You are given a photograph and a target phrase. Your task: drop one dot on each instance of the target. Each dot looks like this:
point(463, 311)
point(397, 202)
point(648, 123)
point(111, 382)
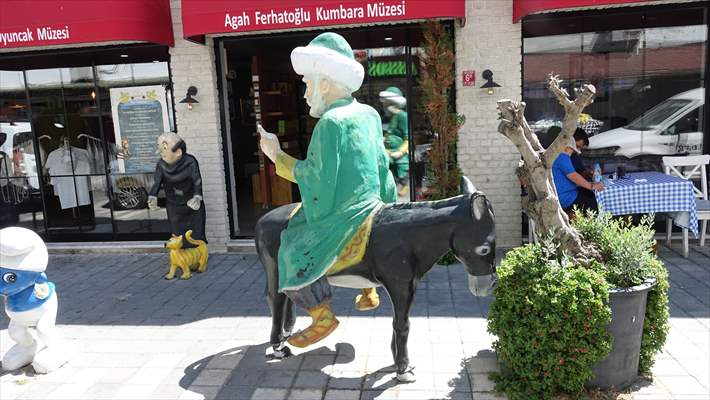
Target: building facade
point(97, 102)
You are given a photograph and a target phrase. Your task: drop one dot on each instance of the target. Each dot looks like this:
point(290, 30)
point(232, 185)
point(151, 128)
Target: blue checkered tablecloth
point(651, 192)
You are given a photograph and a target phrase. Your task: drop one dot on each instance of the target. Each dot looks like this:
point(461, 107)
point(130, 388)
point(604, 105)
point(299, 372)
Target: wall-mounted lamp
point(488, 76)
point(191, 91)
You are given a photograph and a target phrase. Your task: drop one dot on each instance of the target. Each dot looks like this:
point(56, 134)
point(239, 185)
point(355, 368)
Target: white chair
point(690, 167)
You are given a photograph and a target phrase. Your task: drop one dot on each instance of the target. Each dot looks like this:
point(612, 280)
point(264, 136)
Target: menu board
point(140, 115)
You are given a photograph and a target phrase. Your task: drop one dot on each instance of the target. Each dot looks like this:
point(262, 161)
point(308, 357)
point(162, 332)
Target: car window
point(690, 122)
point(657, 114)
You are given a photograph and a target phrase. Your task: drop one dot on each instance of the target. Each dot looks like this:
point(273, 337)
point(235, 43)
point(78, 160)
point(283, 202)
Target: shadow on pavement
point(313, 370)
point(129, 290)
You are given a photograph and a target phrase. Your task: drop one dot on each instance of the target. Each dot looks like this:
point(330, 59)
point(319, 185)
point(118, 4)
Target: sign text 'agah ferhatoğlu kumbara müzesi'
point(43, 34)
point(300, 15)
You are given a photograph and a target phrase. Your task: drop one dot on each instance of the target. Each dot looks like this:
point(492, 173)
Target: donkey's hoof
point(406, 376)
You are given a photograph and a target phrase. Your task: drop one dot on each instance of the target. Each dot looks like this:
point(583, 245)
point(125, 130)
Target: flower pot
point(628, 309)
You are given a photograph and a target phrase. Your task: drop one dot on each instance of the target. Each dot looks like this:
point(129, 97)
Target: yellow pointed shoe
point(324, 323)
point(367, 300)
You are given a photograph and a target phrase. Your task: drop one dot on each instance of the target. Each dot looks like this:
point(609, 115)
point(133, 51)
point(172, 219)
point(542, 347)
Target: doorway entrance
point(258, 84)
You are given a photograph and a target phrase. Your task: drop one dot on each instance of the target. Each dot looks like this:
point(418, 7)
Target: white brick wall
point(194, 64)
point(489, 40)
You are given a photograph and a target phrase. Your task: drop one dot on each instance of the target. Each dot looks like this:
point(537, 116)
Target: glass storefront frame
point(414, 177)
point(572, 22)
point(92, 59)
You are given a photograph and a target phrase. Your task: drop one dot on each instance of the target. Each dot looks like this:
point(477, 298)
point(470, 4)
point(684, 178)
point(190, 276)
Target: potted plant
point(560, 304)
point(562, 326)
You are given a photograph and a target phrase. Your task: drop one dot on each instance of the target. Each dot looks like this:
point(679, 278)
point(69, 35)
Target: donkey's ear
point(478, 207)
point(467, 186)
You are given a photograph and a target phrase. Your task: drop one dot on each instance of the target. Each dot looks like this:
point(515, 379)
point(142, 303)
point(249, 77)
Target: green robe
point(344, 177)
point(397, 134)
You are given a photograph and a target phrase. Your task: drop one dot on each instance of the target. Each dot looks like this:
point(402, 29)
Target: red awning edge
point(30, 23)
point(522, 8)
point(201, 17)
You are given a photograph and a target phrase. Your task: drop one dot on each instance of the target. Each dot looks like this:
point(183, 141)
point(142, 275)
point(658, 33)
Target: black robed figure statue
point(178, 174)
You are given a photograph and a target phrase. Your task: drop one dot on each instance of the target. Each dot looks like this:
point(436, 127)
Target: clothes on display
point(62, 163)
point(96, 154)
point(95, 149)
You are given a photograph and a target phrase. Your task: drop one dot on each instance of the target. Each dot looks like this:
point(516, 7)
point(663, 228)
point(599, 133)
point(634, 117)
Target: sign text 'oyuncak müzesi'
point(43, 34)
point(299, 15)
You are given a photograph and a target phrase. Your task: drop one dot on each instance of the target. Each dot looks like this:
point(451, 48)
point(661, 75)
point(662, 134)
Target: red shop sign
point(200, 17)
point(521, 8)
point(26, 23)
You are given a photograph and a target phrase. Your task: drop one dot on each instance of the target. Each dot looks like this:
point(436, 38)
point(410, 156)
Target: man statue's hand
point(152, 203)
point(269, 143)
point(195, 202)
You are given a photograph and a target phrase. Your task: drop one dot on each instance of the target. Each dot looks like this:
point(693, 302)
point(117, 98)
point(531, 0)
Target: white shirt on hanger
point(72, 191)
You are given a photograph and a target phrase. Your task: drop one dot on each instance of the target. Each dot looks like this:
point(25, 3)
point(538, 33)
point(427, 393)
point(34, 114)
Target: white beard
point(317, 104)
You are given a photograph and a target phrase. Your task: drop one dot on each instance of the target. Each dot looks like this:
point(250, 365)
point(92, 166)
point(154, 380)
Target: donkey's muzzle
point(482, 285)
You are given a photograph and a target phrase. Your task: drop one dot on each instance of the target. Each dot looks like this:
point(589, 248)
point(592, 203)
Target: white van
point(672, 127)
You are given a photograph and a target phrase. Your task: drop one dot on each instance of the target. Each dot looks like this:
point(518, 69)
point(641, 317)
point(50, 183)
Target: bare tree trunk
point(535, 169)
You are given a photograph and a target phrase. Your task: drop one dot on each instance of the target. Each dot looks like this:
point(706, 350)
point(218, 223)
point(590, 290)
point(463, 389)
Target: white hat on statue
point(394, 96)
point(329, 55)
point(23, 250)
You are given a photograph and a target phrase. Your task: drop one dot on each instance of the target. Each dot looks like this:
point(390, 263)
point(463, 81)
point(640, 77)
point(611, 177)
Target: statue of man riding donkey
point(347, 231)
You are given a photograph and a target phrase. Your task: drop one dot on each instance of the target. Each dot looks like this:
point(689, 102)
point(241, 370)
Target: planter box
point(628, 310)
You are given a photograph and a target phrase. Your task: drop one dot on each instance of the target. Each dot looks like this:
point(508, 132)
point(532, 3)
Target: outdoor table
point(651, 192)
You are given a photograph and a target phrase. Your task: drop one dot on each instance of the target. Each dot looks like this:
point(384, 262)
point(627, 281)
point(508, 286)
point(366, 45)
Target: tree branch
point(511, 115)
point(585, 97)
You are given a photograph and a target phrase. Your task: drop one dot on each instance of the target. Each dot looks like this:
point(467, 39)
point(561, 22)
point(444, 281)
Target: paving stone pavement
point(138, 336)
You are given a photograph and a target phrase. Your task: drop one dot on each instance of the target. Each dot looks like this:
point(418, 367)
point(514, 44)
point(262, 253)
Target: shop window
point(259, 81)
point(20, 201)
point(648, 66)
point(73, 164)
point(135, 111)
point(64, 119)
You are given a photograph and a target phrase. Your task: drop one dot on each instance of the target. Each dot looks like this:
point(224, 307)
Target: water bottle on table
point(597, 174)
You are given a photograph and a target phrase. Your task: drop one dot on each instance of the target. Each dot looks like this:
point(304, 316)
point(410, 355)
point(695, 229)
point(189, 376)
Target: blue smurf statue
point(30, 302)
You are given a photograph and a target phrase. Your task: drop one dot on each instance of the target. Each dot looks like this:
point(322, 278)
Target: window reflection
point(20, 203)
point(649, 80)
point(62, 168)
point(385, 89)
point(136, 109)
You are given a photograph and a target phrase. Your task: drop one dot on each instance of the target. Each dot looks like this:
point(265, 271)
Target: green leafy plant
point(541, 290)
point(628, 259)
point(549, 317)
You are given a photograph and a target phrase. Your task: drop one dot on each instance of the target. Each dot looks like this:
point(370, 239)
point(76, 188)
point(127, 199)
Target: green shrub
point(550, 315)
point(655, 324)
point(628, 259)
point(550, 319)
point(627, 250)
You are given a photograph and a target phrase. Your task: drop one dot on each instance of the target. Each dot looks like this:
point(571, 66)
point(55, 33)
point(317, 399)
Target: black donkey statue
point(405, 242)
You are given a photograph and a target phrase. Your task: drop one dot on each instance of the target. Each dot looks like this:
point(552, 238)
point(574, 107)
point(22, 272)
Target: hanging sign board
point(140, 115)
point(30, 23)
point(228, 16)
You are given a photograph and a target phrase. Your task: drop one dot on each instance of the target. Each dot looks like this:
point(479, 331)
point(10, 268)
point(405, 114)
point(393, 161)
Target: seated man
point(572, 188)
point(581, 140)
